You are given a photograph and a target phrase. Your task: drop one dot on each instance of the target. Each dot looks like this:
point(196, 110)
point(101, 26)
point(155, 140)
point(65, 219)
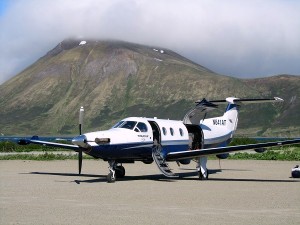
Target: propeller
point(81, 111)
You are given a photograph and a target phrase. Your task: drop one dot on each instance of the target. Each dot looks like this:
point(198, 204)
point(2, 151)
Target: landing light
point(102, 140)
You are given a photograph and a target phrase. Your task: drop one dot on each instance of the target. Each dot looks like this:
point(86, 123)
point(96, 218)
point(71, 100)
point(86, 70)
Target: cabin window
point(142, 127)
point(181, 132)
point(171, 131)
point(164, 131)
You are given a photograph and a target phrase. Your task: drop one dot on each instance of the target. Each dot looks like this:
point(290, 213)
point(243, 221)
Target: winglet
point(277, 99)
point(232, 100)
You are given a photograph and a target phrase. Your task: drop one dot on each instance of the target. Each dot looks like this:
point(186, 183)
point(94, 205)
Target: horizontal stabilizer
point(233, 100)
point(194, 115)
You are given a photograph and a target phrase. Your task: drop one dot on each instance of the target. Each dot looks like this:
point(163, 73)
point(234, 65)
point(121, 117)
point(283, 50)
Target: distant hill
point(115, 79)
point(285, 120)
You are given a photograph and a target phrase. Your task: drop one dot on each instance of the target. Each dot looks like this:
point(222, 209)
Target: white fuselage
point(134, 137)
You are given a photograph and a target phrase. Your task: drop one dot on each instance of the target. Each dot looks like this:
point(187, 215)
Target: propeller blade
point(81, 112)
point(79, 160)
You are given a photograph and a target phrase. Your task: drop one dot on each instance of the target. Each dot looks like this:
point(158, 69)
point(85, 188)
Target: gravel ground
point(245, 192)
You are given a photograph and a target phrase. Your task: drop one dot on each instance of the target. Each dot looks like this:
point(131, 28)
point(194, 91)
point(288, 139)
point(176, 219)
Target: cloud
point(243, 39)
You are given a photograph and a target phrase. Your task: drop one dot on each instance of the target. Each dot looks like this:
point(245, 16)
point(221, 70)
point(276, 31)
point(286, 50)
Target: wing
point(174, 156)
point(35, 140)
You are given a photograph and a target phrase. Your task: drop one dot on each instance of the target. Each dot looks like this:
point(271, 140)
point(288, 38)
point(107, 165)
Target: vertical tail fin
point(232, 109)
point(231, 115)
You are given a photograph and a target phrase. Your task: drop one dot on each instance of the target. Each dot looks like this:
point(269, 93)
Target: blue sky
point(246, 39)
point(4, 4)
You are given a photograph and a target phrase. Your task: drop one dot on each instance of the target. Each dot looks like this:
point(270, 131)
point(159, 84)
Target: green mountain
point(115, 79)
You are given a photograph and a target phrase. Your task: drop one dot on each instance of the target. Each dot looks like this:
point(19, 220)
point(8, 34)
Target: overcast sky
point(239, 38)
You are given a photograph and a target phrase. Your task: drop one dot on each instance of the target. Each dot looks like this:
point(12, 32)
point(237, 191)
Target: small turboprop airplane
point(160, 140)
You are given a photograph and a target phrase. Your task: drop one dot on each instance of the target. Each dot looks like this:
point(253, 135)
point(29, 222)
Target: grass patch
point(285, 155)
point(281, 153)
point(242, 141)
point(8, 146)
point(42, 157)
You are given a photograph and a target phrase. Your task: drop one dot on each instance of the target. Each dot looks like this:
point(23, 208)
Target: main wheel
point(120, 171)
point(201, 177)
point(111, 178)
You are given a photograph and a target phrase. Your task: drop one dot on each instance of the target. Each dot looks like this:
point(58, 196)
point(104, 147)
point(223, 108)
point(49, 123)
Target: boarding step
point(160, 162)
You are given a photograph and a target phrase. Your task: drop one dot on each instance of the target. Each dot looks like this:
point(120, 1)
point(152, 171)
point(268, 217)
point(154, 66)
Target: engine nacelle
point(223, 156)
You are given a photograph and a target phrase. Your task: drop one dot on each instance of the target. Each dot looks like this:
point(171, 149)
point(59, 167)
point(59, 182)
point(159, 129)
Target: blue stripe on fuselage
point(140, 150)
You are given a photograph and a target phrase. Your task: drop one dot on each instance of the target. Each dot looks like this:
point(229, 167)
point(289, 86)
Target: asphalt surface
point(245, 192)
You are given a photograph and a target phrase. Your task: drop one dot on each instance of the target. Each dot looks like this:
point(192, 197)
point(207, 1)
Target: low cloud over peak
point(243, 39)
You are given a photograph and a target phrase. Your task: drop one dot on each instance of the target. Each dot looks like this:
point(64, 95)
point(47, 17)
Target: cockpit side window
point(118, 124)
point(126, 124)
point(142, 127)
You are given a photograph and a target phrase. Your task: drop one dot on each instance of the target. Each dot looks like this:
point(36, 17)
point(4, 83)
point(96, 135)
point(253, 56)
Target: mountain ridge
point(115, 79)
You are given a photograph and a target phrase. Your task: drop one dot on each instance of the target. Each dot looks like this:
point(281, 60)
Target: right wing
point(174, 156)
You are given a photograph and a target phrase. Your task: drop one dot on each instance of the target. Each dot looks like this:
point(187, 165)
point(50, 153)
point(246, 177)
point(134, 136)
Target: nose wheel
point(120, 171)
point(115, 171)
point(111, 177)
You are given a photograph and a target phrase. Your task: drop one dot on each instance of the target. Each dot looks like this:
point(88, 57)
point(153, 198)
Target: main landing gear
point(203, 175)
point(202, 169)
point(115, 171)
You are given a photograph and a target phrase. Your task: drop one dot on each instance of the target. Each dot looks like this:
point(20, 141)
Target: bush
point(285, 155)
point(242, 141)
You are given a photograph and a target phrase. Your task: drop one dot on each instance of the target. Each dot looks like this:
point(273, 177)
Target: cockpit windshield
point(137, 126)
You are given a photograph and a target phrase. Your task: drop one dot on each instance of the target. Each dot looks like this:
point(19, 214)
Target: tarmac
point(241, 192)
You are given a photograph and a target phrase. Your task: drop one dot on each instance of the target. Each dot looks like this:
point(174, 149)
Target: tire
point(120, 171)
point(201, 175)
point(110, 178)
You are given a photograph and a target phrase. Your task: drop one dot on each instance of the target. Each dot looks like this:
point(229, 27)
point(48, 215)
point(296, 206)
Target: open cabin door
point(194, 115)
point(192, 122)
point(156, 132)
point(157, 155)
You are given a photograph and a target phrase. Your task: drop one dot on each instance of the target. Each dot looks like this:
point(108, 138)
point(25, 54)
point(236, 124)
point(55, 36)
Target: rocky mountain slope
point(115, 79)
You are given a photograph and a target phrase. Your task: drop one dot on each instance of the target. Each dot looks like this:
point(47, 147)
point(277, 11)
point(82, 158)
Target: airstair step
point(160, 162)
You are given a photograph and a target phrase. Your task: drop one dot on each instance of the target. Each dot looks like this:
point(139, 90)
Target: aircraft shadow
point(159, 177)
point(253, 180)
point(101, 178)
point(64, 174)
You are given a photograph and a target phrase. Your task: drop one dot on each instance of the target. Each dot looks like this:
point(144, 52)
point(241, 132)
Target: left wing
point(35, 140)
point(174, 156)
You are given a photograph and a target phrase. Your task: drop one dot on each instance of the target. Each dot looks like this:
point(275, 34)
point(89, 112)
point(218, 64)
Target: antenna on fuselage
point(81, 112)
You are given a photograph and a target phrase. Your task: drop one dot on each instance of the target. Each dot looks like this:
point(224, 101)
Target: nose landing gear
point(115, 171)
